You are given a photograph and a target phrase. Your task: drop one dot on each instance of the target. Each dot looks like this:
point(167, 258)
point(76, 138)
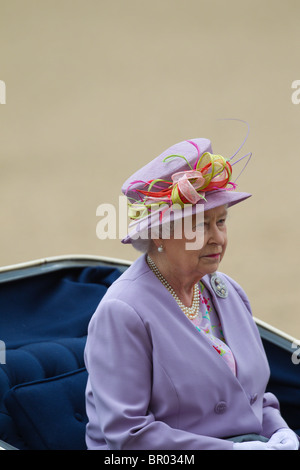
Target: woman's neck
point(183, 286)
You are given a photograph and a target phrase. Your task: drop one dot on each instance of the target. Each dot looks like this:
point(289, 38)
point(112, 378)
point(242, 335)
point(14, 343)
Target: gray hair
point(144, 242)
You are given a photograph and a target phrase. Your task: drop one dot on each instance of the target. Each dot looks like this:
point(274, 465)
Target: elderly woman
point(174, 357)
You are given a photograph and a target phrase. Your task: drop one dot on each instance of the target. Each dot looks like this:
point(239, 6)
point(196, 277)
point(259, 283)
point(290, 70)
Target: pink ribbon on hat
point(188, 188)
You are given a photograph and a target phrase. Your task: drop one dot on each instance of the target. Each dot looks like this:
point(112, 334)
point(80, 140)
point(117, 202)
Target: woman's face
point(196, 263)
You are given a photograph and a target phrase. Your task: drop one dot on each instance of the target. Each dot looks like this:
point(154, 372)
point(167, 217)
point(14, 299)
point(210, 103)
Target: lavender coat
point(155, 382)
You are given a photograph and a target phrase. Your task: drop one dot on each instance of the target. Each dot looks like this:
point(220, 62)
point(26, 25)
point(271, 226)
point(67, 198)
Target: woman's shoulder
point(130, 283)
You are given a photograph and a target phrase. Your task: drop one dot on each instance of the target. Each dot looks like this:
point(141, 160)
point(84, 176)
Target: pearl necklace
point(191, 312)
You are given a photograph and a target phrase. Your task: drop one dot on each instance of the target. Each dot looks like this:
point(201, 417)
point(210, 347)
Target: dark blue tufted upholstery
point(43, 323)
point(50, 413)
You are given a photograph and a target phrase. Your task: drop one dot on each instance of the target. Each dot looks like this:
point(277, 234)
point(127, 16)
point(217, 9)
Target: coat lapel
point(241, 334)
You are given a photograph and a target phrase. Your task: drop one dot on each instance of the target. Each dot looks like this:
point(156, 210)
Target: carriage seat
point(43, 324)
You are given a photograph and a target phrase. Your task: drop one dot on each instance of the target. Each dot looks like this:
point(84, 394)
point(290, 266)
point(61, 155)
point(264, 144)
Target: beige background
point(97, 88)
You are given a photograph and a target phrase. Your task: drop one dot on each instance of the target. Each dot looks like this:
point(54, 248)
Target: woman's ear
point(156, 242)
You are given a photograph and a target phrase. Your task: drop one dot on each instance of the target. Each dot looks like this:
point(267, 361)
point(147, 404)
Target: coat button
point(253, 399)
point(221, 407)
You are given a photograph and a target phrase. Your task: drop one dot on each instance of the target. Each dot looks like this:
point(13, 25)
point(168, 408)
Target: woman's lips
point(214, 255)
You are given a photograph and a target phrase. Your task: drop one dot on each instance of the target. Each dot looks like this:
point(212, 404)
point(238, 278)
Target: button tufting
point(79, 417)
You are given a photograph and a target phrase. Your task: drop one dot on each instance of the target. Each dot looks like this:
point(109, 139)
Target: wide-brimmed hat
point(185, 179)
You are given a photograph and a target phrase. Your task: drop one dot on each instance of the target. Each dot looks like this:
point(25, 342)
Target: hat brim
point(140, 229)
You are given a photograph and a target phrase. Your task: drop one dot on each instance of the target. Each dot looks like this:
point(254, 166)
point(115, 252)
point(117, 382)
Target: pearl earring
point(160, 249)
